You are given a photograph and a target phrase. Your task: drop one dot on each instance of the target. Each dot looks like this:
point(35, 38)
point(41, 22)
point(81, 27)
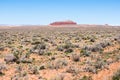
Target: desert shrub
point(78, 38)
point(53, 58)
point(76, 46)
point(96, 48)
point(10, 58)
point(105, 44)
point(118, 48)
point(17, 53)
point(92, 40)
point(58, 77)
point(10, 42)
point(117, 39)
point(33, 69)
point(40, 46)
point(116, 76)
point(100, 64)
point(27, 55)
point(54, 44)
point(86, 78)
point(90, 69)
point(41, 78)
point(88, 48)
point(25, 60)
point(117, 58)
point(67, 46)
point(2, 67)
point(41, 67)
point(35, 43)
point(21, 57)
point(72, 69)
point(20, 76)
point(39, 49)
point(48, 53)
point(68, 51)
point(19, 68)
point(41, 52)
point(24, 73)
point(85, 52)
point(60, 48)
point(59, 63)
point(84, 38)
point(20, 47)
point(75, 57)
point(46, 40)
point(50, 65)
point(1, 48)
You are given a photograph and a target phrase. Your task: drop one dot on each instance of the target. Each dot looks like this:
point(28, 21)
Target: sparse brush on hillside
point(58, 53)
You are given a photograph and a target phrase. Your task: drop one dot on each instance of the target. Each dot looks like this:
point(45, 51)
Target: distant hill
point(68, 22)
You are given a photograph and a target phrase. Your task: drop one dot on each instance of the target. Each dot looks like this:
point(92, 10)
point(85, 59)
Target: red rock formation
point(64, 23)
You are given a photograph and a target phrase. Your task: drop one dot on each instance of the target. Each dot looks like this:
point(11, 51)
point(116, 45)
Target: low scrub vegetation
point(62, 53)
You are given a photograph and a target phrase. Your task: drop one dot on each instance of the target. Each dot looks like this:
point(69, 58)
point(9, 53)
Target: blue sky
point(47, 11)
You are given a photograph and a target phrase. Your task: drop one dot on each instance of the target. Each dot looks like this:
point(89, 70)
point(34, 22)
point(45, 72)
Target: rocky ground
point(60, 53)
